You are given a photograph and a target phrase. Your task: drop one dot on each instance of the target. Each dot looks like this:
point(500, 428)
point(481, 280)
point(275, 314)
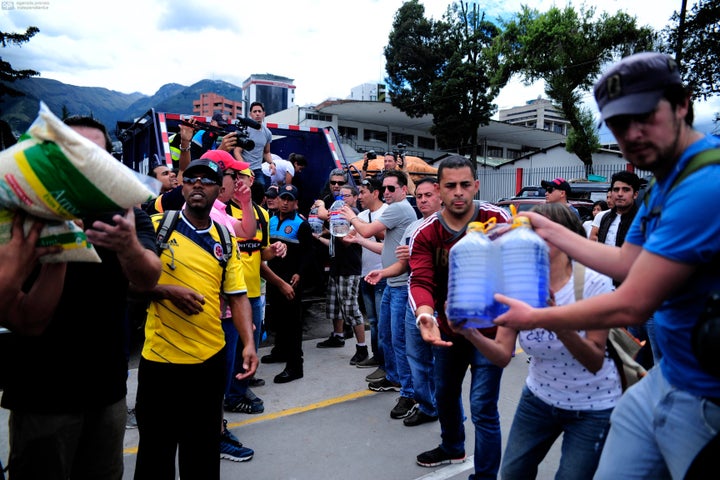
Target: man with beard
point(668, 267)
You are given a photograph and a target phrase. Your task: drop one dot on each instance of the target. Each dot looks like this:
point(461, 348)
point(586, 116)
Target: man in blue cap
point(667, 265)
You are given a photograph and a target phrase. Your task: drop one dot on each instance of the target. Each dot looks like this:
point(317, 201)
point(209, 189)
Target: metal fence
point(497, 184)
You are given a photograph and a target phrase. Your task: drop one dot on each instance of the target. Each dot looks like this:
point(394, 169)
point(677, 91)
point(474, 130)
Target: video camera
point(239, 125)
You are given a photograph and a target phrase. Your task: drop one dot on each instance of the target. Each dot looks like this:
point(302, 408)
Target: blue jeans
point(656, 431)
point(451, 363)
point(372, 299)
point(535, 428)
point(391, 334)
point(422, 367)
point(235, 389)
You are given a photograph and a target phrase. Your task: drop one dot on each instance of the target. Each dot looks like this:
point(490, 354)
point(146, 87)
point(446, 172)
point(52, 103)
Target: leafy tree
point(567, 49)
point(438, 68)
point(695, 40)
point(9, 74)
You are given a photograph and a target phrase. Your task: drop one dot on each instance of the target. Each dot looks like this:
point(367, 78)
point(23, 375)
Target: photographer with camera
point(252, 145)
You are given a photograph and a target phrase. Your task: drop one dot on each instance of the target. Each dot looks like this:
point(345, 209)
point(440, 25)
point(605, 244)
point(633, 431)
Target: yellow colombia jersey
point(171, 335)
point(251, 248)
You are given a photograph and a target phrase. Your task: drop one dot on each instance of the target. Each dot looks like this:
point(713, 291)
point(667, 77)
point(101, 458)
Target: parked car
point(523, 204)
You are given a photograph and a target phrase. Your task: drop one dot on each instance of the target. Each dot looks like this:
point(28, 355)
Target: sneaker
point(244, 405)
point(257, 382)
point(232, 451)
point(418, 418)
point(228, 436)
point(361, 353)
point(376, 376)
point(333, 342)
point(131, 421)
point(403, 408)
point(438, 456)
point(384, 385)
point(250, 395)
point(370, 362)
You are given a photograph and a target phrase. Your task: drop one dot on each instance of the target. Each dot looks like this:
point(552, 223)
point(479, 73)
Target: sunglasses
point(389, 188)
point(550, 189)
point(232, 175)
point(203, 181)
point(335, 182)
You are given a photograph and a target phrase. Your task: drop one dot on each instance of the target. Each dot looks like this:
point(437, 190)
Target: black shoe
point(403, 408)
point(287, 376)
point(371, 362)
point(361, 353)
point(270, 358)
point(257, 382)
point(333, 342)
point(418, 418)
point(438, 456)
point(384, 385)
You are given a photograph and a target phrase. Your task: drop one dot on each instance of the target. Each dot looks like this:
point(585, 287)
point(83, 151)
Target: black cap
point(218, 117)
point(558, 183)
point(212, 169)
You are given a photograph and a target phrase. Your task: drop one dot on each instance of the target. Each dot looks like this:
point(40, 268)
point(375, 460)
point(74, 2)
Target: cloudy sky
point(326, 46)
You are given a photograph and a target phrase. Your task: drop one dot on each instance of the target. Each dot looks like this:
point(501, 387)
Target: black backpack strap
point(167, 225)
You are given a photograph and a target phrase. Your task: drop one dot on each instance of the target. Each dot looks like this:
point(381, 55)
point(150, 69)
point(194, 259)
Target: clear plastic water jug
point(339, 225)
point(525, 264)
point(315, 222)
point(473, 279)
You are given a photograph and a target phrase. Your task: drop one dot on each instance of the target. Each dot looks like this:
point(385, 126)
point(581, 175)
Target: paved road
point(328, 425)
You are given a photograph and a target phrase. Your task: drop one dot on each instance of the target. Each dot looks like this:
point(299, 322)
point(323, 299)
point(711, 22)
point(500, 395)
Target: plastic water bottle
point(473, 279)
point(315, 222)
point(339, 225)
point(525, 264)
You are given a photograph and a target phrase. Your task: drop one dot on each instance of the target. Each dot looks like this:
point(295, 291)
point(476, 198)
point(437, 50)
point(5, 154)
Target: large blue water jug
point(473, 279)
point(525, 264)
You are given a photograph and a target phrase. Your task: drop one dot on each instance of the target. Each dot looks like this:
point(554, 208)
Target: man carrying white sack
point(80, 352)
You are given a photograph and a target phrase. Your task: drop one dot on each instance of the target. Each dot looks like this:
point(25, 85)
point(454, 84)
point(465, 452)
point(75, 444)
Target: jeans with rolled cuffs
point(391, 334)
point(422, 367)
point(451, 364)
point(372, 299)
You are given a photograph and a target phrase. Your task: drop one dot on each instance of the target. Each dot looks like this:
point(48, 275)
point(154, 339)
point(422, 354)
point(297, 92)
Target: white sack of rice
point(57, 174)
point(65, 233)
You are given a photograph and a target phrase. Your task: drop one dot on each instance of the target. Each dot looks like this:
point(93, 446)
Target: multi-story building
point(211, 103)
point(276, 93)
point(539, 113)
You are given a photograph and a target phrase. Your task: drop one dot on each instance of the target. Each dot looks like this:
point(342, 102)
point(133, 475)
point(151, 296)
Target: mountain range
point(107, 106)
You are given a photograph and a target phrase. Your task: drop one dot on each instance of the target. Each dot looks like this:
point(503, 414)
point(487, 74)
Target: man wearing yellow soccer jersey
point(182, 369)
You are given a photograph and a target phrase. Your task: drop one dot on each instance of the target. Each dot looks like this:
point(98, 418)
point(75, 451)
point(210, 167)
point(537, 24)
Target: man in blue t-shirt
point(667, 265)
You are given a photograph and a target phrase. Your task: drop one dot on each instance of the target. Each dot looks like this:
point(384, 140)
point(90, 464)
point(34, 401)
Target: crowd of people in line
point(200, 278)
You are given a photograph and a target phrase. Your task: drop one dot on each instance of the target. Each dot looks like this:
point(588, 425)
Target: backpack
point(622, 346)
point(167, 225)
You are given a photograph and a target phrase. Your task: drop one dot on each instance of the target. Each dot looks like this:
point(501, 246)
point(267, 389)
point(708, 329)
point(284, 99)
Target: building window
point(319, 117)
point(348, 132)
point(375, 136)
point(426, 143)
point(496, 152)
point(408, 140)
point(513, 154)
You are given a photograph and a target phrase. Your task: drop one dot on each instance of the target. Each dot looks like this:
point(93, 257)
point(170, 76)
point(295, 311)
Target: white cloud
point(326, 46)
